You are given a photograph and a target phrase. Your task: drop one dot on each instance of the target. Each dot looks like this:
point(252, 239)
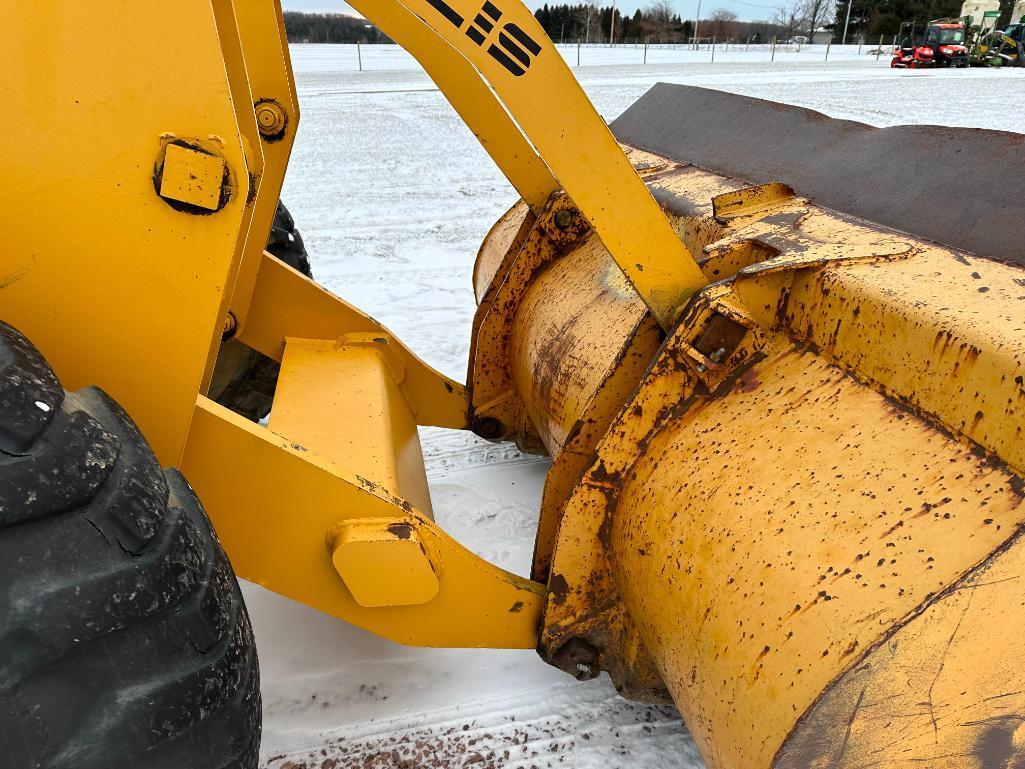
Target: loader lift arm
point(197, 171)
point(503, 42)
point(511, 115)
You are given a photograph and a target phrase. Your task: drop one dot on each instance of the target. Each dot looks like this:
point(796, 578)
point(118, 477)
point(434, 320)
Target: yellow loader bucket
point(797, 513)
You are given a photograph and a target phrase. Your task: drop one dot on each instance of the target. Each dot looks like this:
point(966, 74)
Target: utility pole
point(846, 22)
point(697, 22)
point(612, 25)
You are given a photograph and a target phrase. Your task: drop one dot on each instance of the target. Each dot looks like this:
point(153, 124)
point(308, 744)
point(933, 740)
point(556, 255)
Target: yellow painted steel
point(383, 562)
point(771, 561)
point(272, 92)
point(277, 507)
point(804, 524)
point(285, 303)
point(469, 95)
point(192, 177)
point(512, 52)
point(361, 420)
point(142, 226)
point(118, 287)
point(500, 246)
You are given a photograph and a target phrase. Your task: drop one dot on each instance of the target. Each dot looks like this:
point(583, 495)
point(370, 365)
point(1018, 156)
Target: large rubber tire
point(243, 379)
point(124, 640)
point(286, 243)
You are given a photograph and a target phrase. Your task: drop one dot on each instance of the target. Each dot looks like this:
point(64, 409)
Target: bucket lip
point(961, 187)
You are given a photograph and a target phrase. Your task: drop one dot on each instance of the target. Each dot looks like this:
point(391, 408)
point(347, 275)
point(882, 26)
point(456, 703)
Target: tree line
point(330, 28)
point(658, 22)
point(583, 22)
point(591, 23)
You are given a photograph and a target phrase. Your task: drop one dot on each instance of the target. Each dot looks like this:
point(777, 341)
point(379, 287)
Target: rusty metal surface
point(496, 409)
point(561, 340)
point(504, 239)
point(622, 373)
point(784, 523)
point(767, 537)
point(769, 528)
point(949, 695)
point(568, 336)
point(935, 182)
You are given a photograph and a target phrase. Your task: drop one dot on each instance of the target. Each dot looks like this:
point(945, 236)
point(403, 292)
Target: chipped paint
point(753, 525)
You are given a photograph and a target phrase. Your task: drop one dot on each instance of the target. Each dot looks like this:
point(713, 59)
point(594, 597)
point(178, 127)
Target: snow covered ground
point(346, 58)
point(393, 196)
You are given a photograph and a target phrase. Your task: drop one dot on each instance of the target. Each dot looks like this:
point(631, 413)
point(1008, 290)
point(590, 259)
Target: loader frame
point(191, 155)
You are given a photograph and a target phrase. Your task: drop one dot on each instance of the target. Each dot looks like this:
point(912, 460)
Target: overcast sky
point(747, 10)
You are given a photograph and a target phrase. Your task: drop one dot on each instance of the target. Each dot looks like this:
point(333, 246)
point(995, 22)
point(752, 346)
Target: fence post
point(713, 48)
point(645, 51)
point(359, 56)
point(798, 46)
point(747, 43)
point(578, 53)
point(773, 57)
point(827, 49)
point(861, 41)
point(879, 50)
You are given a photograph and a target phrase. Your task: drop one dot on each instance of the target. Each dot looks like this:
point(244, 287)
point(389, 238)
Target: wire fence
point(327, 58)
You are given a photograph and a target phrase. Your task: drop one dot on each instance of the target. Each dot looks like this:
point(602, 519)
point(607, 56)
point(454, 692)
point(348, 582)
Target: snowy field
point(393, 196)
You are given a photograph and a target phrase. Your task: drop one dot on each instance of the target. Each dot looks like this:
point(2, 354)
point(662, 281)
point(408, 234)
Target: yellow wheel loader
point(783, 394)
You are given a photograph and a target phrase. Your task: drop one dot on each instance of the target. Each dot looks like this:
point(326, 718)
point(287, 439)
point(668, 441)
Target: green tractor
point(999, 48)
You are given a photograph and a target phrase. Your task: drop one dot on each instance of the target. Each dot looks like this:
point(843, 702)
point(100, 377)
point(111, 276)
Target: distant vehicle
point(798, 40)
point(909, 54)
point(1004, 48)
point(946, 39)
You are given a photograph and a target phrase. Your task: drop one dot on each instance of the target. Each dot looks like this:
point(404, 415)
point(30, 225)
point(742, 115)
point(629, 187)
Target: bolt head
point(563, 219)
point(270, 118)
point(578, 658)
point(488, 427)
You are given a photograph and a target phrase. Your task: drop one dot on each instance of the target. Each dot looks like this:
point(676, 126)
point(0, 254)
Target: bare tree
point(724, 24)
point(660, 14)
point(815, 13)
point(790, 17)
point(587, 14)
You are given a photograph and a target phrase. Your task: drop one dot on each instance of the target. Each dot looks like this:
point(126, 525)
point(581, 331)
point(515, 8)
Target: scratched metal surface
point(783, 533)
